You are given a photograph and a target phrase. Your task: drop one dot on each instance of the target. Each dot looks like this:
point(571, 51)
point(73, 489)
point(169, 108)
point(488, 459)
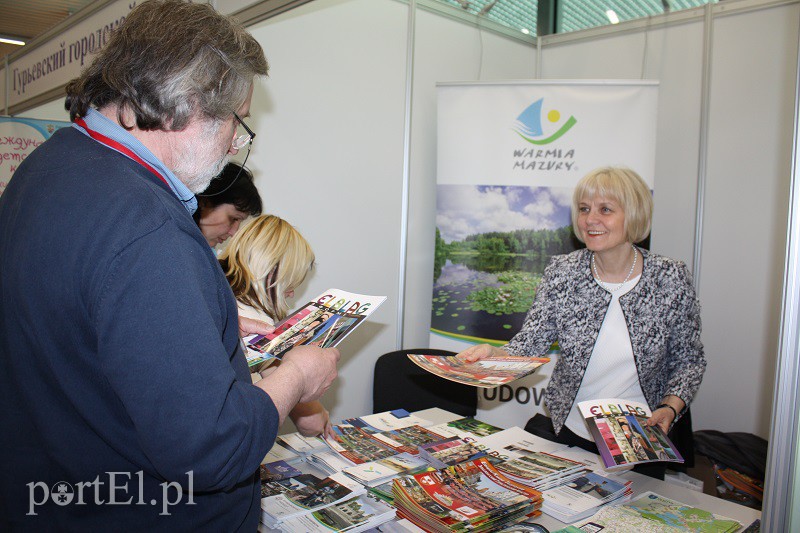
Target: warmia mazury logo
point(529, 124)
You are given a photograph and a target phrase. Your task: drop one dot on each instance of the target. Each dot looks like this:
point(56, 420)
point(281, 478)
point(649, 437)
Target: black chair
point(400, 384)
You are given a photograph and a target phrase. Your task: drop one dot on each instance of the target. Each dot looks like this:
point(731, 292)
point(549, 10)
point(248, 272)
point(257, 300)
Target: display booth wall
point(338, 136)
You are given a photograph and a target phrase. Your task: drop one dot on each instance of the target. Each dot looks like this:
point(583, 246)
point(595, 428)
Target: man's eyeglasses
point(244, 139)
point(238, 143)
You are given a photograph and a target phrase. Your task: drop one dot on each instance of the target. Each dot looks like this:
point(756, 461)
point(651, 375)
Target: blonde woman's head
point(626, 188)
point(265, 261)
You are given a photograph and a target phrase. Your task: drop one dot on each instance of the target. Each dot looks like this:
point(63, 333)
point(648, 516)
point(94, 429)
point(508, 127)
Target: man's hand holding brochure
point(323, 322)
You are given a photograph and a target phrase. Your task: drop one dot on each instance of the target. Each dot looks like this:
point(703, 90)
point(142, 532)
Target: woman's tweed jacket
point(663, 318)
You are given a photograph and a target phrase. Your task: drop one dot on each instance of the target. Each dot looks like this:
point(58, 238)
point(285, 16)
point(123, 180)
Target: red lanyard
point(111, 143)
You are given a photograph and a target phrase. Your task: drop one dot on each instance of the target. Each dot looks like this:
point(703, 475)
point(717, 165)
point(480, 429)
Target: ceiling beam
point(265, 9)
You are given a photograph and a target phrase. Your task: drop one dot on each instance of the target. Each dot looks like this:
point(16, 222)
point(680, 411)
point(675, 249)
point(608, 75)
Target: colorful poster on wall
point(509, 156)
point(18, 138)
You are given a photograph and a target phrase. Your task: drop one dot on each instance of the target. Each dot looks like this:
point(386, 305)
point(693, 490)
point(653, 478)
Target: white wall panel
point(749, 163)
point(671, 56)
point(328, 158)
point(446, 51)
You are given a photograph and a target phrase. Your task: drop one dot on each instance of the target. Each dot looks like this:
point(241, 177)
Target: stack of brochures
point(354, 515)
point(653, 512)
point(279, 452)
point(359, 446)
point(300, 445)
point(404, 440)
point(371, 438)
point(385, 492)
point(530, 460)
point(362, 443)
point(388, 420)
point(541, 470)
point(583, 496)
point(277, 470)
point(449, 452)
point(302, 495)
point(376, 473)
point(328, 461)
point(470, 496)
point(465, 428)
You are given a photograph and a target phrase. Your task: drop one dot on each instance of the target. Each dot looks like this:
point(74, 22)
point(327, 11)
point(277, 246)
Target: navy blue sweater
point(121, 373)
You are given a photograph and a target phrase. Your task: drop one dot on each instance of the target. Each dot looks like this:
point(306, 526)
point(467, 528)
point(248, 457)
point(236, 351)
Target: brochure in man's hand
point(323, 322)
point(491, 372)
point(622, 437)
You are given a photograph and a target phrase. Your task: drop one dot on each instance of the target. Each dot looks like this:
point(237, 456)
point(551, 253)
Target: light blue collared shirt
point(101, 124)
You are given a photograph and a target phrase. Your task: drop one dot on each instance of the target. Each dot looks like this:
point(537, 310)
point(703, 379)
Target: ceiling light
point(612, 16)
point(12, 41)
point(525, 31)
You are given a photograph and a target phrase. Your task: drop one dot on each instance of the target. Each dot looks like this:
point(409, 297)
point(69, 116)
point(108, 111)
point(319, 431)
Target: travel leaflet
point(622, 437)
point(324, 321)
point(486, 373)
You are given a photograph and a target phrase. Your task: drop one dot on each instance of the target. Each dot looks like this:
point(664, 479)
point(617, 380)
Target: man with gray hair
point(125, 398)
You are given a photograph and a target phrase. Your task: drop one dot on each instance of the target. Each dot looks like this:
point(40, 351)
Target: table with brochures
point(640, 485)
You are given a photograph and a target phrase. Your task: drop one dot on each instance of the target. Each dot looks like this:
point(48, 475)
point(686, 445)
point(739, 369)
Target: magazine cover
point(324, 321)
point(622, 438)
point(486, 373)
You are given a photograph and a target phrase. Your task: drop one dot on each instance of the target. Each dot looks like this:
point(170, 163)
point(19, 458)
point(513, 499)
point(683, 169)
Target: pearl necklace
point(618, 287)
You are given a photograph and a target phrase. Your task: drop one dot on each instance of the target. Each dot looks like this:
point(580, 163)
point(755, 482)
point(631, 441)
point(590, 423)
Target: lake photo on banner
point(492, 246)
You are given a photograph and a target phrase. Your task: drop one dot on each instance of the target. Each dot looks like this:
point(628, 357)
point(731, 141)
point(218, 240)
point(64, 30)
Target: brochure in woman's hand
point(622, 437)
point(490, 372)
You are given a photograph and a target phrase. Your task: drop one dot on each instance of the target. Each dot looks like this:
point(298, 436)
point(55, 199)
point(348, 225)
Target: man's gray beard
point(200, 182)
point(193, 167)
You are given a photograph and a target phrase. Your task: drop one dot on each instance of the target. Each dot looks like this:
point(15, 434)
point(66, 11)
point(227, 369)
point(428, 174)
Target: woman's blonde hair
point(625, 187)
point(263, 260)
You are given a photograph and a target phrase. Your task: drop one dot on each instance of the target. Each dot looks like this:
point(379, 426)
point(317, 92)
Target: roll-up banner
point(509, 157)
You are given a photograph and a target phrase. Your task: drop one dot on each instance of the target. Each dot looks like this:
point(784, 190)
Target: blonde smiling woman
point(627, 320)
